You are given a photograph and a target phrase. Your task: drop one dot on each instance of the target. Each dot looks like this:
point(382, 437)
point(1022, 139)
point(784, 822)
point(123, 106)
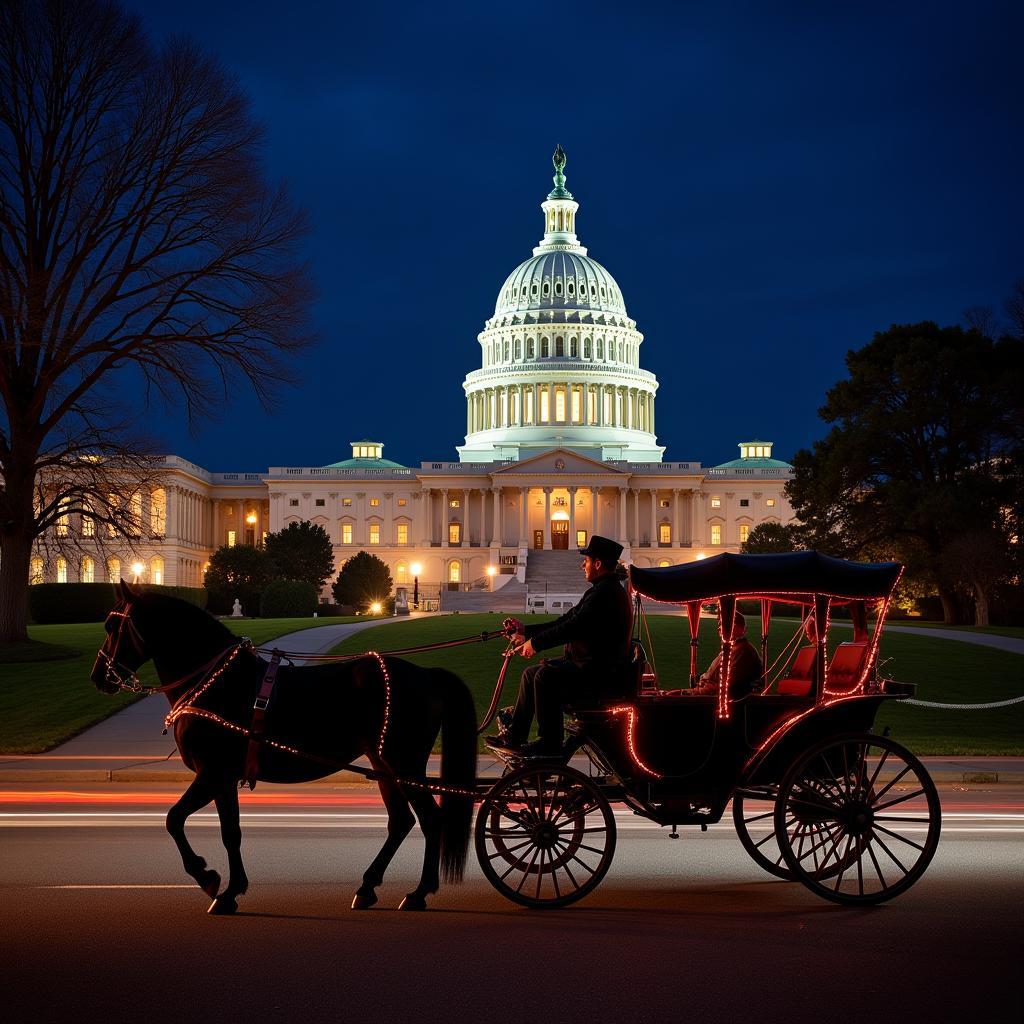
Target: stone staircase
point(510, 598)
point(554, 572)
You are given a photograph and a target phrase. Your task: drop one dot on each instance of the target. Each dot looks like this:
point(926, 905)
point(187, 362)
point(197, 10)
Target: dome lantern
point(559, 213)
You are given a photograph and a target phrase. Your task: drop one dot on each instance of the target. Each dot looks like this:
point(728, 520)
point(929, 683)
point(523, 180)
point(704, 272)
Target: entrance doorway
point(559, 535)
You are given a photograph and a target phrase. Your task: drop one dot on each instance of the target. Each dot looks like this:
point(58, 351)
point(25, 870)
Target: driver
point(596, 633)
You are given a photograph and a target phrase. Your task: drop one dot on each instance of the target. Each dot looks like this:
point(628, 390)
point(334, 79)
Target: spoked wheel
point(857, 819)
point(545, 836)
point(753, 813)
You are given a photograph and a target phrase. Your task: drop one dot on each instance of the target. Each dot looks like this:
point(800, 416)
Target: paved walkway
point(130, 747)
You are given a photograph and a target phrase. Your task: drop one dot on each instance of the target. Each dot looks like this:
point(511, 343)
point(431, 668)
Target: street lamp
point(376, 608)
point(492, 572)
point(137, 570)
point(416, 570)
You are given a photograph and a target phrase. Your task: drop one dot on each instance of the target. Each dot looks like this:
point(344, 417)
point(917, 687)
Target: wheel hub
point(545, 835)
point(857, 817)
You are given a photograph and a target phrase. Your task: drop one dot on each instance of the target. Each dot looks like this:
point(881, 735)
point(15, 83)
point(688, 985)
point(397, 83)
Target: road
point(98, 923)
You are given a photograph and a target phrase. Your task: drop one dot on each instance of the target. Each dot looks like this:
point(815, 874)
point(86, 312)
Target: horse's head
point(124, 649)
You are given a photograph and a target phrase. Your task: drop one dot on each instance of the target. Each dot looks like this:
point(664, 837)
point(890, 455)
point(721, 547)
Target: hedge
point(91, 602)
point(289, 599)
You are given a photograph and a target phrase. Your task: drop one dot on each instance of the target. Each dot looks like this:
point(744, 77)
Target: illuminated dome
point(560, 357)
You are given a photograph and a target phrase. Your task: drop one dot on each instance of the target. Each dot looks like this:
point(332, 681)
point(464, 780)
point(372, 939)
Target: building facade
point(560, 444)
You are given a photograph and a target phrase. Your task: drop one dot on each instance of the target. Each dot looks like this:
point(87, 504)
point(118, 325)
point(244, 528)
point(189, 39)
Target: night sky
point(768, 183)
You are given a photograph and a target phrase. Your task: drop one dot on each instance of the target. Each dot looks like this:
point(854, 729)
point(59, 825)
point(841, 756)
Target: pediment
point(559, 462)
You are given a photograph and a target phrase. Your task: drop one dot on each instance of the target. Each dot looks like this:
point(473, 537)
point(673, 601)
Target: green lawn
point(945, 671)
point(44, 702)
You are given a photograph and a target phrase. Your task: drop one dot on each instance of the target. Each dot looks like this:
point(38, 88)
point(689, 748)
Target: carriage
point(817, 796)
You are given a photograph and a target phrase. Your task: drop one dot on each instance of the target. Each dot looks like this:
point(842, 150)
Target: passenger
point(744, 667)
point(596, 633)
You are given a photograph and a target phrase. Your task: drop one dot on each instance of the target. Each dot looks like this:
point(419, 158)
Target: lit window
point(61, 528)
point(770, 503)
point(402, 501)
point(716, 502)
point(454, 572)
point(581, 538)
point(346, 502)
point(401, 573)
point(402, 530)
point(346, 533)
point(744, 532)
point(113, 570)
point(577, 404)
point(559, 405)
point(231, 538)
point(664, 563)
point(664, 533)
point(529, 348)
point(375, 503)
point(88, 525)
point(35, 571)
point(374, 533)
point(455, 503)
point(156, 570)
point(62, 570)
point(454, 533)
point(663, 503)
point(716, 534)
point(158, 512)
point(87, 573)
point(545, 406)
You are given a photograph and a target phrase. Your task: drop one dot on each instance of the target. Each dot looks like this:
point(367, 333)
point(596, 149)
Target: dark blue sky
point(769, 183)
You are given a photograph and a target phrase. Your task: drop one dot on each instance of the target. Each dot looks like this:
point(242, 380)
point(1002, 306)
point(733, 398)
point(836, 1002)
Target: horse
point(318, 719)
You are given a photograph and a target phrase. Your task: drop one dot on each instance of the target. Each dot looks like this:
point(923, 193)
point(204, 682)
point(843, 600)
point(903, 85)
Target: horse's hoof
point(223, 905)
point(413, 902)
point(209, 882)
point(364, 900)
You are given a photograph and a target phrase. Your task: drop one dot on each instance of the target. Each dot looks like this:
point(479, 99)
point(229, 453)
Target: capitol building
point(560, 444)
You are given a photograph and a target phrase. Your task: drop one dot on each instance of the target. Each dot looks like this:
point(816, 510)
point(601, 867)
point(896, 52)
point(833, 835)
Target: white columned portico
point(595, 511)
point(497, 535)
point(444, 517)
point(654, 517)
point(572, 518)
point(622, 515)
point(524, 516)
point(547, 518)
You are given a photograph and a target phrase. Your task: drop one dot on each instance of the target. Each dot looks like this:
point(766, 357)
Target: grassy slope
point(43, 703)
point(945, 671)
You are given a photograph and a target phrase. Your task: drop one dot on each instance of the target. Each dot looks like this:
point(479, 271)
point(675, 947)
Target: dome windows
point(544, 348)
point(547, 289)
point(573, 348)
point(558, 286)
point(529, 348)
point(569, 288)
point(586, 348)
point(559, 347)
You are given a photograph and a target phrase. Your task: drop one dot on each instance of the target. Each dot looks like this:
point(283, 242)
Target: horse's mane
point(178, 614)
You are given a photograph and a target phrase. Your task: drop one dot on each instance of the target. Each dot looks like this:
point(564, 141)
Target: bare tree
point(137, 235)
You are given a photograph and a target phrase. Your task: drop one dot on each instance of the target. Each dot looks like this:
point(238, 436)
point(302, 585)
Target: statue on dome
point(559, 158)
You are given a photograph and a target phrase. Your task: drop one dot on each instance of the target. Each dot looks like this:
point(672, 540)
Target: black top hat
point(603, 549)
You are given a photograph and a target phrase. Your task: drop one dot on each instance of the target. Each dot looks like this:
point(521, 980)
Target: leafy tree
point(925, 450)
point(137, 236)
point(301, 551)
point(769, 539)
point(240, 571)
point(363, 579)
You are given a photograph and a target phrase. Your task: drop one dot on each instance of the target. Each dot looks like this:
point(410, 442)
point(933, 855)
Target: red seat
point(847, 667)
point(801, 674)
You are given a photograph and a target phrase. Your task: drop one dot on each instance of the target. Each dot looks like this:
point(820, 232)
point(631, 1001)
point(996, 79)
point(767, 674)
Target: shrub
point(289, 599)
point(90, 602)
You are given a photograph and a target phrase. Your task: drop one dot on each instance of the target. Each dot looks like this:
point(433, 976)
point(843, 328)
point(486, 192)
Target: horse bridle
point(117, 674)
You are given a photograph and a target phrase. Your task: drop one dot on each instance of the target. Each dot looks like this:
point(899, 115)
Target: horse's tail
point(458, 770)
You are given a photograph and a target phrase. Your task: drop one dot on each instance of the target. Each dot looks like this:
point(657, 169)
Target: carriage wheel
point(858, 819)
point(755, 809)
point(545, 836)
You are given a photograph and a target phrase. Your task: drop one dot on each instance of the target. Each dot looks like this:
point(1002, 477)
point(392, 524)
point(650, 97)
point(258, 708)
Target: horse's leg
point(429, 815)
point(226, 798)
point(197, 796)
point(400, 823)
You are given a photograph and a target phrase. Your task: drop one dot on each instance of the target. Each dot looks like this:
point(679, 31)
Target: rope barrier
point(963, 707)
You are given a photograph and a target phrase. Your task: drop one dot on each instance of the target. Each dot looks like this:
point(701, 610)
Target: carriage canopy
point(793, 577)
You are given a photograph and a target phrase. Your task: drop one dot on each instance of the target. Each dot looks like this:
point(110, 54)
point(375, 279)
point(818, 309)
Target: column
point(524, 517)
point(387, 538)
point(677, 536)
point(572, 518)
point(497, 534)
point(551, 411)
point(239, 523)
point(636, 517)
point(654, 517)
point(651, 427)
point(547, 518)
point(483, 516)
point(465, 516)
point(425, 533)
point(696, 519)
point(535, 419)
point(444, 517)
point(622, 515)
point(595, 510)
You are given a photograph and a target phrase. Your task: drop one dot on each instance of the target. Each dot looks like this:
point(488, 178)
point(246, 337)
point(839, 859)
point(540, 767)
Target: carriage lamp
point(137, 569)
point(416, 570)
point(491, 573)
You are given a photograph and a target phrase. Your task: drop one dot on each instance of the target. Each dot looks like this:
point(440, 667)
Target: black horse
point(318, 720)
